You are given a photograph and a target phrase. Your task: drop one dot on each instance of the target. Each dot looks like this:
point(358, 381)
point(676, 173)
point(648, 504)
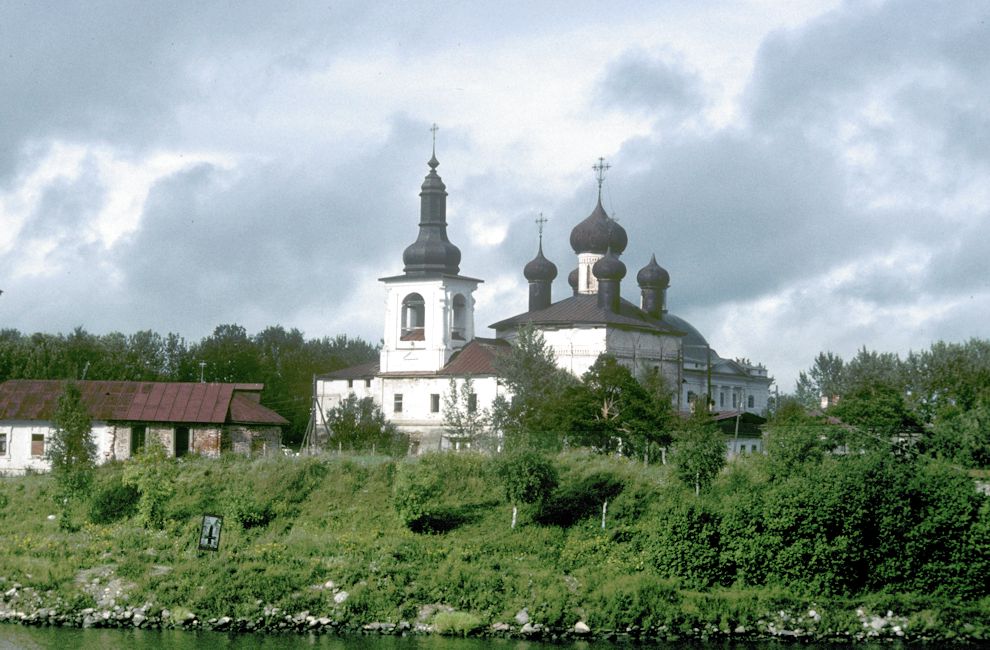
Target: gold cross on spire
point(600, 168)
point(434, 129)
point(539, 224)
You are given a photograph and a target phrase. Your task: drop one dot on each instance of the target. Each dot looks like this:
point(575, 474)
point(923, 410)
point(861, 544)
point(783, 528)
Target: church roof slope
point(584, 309)
point(476, 358)
point(361, 371)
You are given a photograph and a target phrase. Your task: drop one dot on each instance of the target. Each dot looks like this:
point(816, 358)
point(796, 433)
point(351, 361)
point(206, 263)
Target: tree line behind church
point(284, 360)
point(938, 398)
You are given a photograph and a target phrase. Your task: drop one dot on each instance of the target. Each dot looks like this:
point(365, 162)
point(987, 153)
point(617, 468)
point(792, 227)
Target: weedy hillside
point(603, 540)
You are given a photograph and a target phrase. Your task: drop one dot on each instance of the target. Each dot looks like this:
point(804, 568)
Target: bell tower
point(429, 309)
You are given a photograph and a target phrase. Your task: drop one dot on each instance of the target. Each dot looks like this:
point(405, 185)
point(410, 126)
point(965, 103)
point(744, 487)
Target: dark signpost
point(209, 535)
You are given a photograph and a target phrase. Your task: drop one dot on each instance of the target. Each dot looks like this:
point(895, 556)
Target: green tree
point(527, 477)
point(230, 355)
point(879, 415)
point(462, 418)
point(152, 473)
point(825, 378)
point(358, 424)
point(531, 419)
point(963, 436)
point(794, 438)
point(698, 452)
point(71, 450)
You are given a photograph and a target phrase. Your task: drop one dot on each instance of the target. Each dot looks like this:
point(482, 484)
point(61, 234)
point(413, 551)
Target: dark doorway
point(138, 433)
point(181, 441)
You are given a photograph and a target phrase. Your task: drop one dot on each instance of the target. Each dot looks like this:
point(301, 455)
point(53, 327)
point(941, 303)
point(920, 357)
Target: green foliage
point(456, 623)
point(611, 411)
point(358, 424)
point(642, 600)
point(152, 473)
point(699, 451)
point(878, 411)
point(579, 497)
point(687, 544)
point(527, 477)
point(71, 450)
point(112, 500)
point(794, 438)
point(463, 420)
point(531, 420)
point(874, 530)
point(417, 490)
point(963, 436)
point(247, 509)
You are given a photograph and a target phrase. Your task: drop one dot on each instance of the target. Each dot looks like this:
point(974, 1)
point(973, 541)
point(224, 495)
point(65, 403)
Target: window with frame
point(350, 383)
point(397, 403)
point(472, 403)
point(750, 401)
point(3, 444)
point(37, 445)
point(367, 383)
point(435, 403)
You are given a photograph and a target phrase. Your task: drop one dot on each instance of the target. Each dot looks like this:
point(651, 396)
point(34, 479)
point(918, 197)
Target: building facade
point(430, 342)
point(185, 418)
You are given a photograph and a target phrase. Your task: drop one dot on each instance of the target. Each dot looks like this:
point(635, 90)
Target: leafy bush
point(579, 498)
point(152, 474)
point(686, 543)
point(417, 489)
point(247, 510)
point(527, 477)
point(432, 493)
point(112, 501)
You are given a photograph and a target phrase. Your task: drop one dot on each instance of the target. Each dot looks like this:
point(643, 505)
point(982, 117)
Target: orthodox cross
point(539, 224)
point(600, 168)
point(434, 129)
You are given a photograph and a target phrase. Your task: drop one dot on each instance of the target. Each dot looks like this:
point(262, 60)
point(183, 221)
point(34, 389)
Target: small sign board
point(209, 535)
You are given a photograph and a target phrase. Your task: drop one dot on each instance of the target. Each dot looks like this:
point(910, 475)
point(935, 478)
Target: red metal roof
point(136, 401)
point(246, 411)
point(476, 358)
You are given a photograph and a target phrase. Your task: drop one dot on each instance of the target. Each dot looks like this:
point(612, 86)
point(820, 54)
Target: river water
point(16, 637)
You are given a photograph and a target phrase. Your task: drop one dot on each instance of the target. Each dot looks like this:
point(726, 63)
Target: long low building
point(183, 417)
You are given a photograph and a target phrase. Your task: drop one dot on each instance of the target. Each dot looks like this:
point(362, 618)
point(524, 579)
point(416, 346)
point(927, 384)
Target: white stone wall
point(425, 427)
point(743, 446)
point(18, 459)
point(432, 353)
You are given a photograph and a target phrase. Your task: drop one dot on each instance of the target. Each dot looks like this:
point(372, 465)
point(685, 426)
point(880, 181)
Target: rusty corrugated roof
point(134, 401)
point(476, 358)
point(246, 411)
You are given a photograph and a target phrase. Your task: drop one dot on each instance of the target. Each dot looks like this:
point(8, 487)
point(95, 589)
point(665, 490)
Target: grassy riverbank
point(321, 537)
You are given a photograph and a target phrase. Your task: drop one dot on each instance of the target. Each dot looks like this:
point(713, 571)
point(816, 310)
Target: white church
point(429, 333)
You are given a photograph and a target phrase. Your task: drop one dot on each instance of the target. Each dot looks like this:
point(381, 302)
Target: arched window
point(458, 326)
point(413, 317)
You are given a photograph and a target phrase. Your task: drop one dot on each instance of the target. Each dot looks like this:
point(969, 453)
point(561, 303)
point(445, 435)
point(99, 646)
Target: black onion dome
point(598, 233)
point(540, 268)
point(432, 252)
point(653, 275)
point(572, 279)
point(609, 267)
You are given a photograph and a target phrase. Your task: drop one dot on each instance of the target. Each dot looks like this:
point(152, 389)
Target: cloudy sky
point(815, 175)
